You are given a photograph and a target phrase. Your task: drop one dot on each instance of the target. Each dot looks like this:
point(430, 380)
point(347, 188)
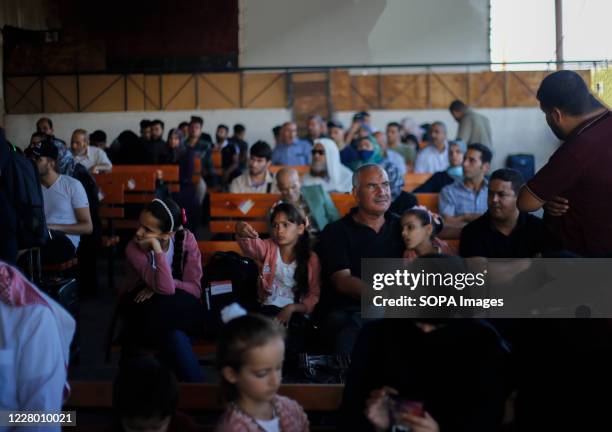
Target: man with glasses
point(503, 231)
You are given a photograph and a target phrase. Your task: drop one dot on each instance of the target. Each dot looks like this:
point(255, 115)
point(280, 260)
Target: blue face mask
point(456, 171)
point(365, 154)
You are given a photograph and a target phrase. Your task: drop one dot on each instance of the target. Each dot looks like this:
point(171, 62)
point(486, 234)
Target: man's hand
point(558, 206)
point(144, 294)
point(244, 230)
point(377, 408)
point(420, 424)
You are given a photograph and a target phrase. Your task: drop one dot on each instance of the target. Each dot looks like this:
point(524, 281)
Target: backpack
point(218, 292)
point(524, 163)
point(24, 191)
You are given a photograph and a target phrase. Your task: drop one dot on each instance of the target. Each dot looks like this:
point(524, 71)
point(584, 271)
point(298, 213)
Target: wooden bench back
point(205, 397)
point(412, 180)
point(208, 248)
point(429, 200)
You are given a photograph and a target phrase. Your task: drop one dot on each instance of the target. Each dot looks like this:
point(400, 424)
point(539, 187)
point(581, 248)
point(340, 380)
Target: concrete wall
point(515, 130)
point(323, 32)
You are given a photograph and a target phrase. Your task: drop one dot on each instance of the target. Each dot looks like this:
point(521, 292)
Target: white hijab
point(339, 178)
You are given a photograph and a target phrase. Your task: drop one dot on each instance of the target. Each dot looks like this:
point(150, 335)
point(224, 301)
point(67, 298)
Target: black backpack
point(243, 274)
point(24, 191)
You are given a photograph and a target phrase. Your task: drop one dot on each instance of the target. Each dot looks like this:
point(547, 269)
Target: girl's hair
point(239, 336)
point(302, 248)
point(171, 221)
point(176, 132)
point(426, 218)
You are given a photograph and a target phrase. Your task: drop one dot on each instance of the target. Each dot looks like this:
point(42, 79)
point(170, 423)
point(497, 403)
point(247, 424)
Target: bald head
point(288, 183)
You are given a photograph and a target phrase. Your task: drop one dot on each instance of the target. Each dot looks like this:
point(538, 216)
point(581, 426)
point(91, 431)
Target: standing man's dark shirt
point(581, 171)
point(345, 242)
point(480, 238)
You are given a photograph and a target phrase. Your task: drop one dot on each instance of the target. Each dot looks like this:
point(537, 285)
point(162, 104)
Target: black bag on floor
point(228, 278)
point(523, 163)
point(323, 369)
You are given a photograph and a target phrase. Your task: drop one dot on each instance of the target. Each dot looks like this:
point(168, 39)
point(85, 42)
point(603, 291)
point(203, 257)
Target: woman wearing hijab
point(369, 152)
point(326, 169)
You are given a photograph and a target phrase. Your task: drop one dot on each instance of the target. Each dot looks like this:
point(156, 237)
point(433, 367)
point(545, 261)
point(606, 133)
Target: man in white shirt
point(66, 205)
point(92, 158)
point(434, 157)
point(258, 178)
point(35, 336)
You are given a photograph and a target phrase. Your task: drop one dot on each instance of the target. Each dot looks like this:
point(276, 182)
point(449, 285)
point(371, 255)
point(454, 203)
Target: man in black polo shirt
point(368, 231)
point(503, 231)
point(576, 182)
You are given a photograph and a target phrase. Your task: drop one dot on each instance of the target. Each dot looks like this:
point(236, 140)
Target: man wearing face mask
point(435, 183)
point(575, 182)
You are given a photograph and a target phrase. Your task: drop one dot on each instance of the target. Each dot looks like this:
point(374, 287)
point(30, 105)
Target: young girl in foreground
point(290, 271)
point(161, 294)
point(419, 230)
point(250, 354)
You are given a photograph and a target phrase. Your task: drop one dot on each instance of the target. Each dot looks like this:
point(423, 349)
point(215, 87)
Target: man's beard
point(558, 132)
point(318, 169)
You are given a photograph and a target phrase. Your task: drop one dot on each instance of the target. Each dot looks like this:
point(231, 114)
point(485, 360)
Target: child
point(419, 229)
point(145, 397)
point(290, 271)
point(250, 354)
point(161, 294)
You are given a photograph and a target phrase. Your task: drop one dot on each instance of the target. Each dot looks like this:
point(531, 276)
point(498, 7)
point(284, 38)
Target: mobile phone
point(399, 406)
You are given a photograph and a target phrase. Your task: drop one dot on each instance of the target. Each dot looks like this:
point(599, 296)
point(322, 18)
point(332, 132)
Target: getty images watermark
point(487, 288)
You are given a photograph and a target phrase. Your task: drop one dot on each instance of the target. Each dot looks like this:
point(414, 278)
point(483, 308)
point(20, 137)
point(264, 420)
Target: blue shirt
point(397, 160)
point(297, 153)
point(457, 200)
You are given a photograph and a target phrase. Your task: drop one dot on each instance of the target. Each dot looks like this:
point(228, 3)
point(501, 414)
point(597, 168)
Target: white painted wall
point(325, 32)
point(515, 130)
point(258, 122)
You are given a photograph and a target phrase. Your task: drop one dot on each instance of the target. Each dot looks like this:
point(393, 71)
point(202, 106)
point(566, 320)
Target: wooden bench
point(413, 180)
point(140, 181)
point(205, 397)
point(208, 248)
point(429, 200)
point(225, 211)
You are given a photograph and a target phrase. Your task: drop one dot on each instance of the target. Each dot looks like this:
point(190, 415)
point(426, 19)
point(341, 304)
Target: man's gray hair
point(441, 124)
point(362, 168)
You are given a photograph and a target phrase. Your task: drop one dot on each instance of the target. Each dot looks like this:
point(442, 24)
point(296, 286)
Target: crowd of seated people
point(430, 375)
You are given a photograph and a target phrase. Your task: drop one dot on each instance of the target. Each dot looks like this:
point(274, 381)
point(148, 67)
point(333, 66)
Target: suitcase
point(523, 163)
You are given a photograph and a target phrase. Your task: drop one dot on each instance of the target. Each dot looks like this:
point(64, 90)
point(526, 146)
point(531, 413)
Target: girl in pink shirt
point(289, 271)
point(160, 298)
point(289, 280)
point(250, 354)
point(419, 230)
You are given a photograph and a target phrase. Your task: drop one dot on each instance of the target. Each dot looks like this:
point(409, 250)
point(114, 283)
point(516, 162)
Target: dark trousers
point(166, 324)
point(58, 249)
point(297, 329)
point(8, 231)
point(342, 326)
